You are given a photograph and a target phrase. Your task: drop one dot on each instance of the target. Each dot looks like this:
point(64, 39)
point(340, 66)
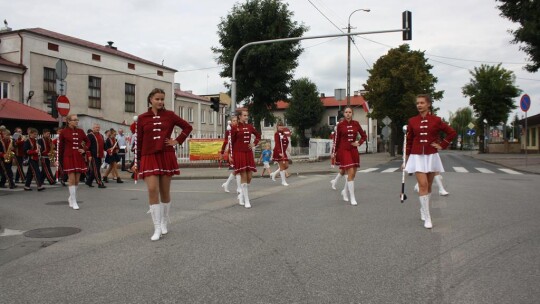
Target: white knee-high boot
point(155, 211)
point(416, 189)
point(344, 192)
point(350, 185)
point(238, 183)
point(273, 174)
point(241, 196)
point(335, 180)
point(165, 209)
point(70, 198)
point(225, 185)
point(424, 202)
point(73, 197)
point(438, 181)
point(246, 195)
point(283, 178)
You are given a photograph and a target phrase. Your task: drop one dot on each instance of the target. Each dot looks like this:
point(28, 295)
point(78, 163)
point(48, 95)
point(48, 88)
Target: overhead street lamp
point(349, 38)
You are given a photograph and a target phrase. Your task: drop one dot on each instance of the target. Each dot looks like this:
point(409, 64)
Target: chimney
point(177, 86)
point(322, 95)
point(110, 45)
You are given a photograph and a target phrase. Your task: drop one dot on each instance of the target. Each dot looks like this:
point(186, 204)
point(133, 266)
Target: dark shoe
point(118, 180)
point(63, 183)
point(105, 179)
point(41, 189)
point(27, 189)
point(102, 186)
point(2, 186)
point(13, 186)
point(89, 185)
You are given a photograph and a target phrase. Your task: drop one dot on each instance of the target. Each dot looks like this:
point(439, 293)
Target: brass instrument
point(9, 155)
point(52, 153)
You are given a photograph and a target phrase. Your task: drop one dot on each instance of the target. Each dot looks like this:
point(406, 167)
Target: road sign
point(385, 132)
point(61, 87)
point(62, 104)
point(471, 132)
point(340, 94)
point(386, 120)
point(470, 125)
point(61, 69)
point(525, 103)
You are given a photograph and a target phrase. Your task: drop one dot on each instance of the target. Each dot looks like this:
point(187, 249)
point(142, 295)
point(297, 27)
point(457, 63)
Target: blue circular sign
point(525, 103)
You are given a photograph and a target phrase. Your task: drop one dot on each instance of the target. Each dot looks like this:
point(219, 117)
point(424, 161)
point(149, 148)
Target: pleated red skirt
point(164, 163)
point(348, 159)
point(244, 161)
point(74, 164)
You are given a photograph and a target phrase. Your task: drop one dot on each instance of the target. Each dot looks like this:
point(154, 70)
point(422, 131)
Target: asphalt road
point(298, 244)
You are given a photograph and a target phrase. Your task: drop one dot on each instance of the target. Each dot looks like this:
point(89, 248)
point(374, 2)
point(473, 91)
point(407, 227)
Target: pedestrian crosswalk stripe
point(484, 170)
point(368, 170)
point(461, 170)
point(510, 171)
point(390, 170)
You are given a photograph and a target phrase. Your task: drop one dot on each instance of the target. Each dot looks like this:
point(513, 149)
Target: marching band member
point(72, 143)
point(33, 151)
point(112, 157)
point(6, 159)
point(156, 157)
point(96, 150)
point(244, 160)
point(279, 154)
point(45, 143)
point(59, 172)
point(335, 162)
point(347, 150)
point(227, 144)
point(422, 151)
point(19, 140)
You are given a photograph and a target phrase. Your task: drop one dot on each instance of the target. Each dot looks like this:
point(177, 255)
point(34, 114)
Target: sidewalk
point(525, 163)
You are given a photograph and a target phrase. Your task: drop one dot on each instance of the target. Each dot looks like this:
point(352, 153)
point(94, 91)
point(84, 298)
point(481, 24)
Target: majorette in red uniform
point(279, 154)
point(19, 155)
point(422, 152)
point(347, 150)
point(156, 158)
point(223, 153)
point(244, 160)
point(72, 149)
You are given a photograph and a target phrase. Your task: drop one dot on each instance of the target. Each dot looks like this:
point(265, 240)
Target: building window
point(203, 116)
point(49, 84)
point(53, 47)
point(160, 73)
point(96, 57)
point(211, 116)
point(190, 114)
point(4, 89)
point(130, 98)
point(181, 112)
point(332, 120)
point(94, 92)
point(131, 66)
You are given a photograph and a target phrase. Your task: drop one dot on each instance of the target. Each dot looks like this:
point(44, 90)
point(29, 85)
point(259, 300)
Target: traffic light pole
point(233, 79)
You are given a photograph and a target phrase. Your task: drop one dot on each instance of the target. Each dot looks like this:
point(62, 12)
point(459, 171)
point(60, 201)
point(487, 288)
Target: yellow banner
point(204, 148)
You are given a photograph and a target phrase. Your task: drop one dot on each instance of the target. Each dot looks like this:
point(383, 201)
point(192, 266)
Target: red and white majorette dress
point(421, 133)
point(69, 143)
point(243, 157)
point(154, 156)
point(346, 134)
point(281, 143)
point(227, 144)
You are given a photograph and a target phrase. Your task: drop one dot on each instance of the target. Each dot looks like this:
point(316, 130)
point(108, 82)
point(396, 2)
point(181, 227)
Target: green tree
point(460, 120)
point(527, 14)
point(305, 107)
point(491, 90)
point(395, 80)
point(263, 72)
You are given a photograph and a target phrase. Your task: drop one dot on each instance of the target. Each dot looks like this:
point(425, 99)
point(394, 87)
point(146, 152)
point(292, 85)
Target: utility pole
point(349, 38)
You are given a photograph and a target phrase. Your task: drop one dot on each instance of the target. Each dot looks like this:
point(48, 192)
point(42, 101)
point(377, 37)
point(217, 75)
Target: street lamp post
point(349, 55)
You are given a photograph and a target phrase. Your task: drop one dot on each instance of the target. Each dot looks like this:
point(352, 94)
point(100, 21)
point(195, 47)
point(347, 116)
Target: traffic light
point(407, 25)
point(215, 103)
point(52, 105)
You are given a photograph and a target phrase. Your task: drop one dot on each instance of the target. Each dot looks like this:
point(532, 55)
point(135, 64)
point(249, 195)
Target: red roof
point(11, 109)
point(356, 101)
point(88, 44)
point(6, 62)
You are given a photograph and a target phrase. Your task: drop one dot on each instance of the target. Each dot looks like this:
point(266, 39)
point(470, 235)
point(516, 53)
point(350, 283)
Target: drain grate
point(55, 203)
point(51, 232)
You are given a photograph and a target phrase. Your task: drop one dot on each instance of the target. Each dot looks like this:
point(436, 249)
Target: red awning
point(11, 109)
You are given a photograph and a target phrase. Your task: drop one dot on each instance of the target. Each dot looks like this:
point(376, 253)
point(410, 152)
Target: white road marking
point(510, 171)
point(390, 170)
point(368, 170)
point(10, 232)
point(484, 170)
point(461, 170)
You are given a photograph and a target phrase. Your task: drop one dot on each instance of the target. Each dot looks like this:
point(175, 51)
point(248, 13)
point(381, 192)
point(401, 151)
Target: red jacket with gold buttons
point(153, 130)
point(241, 137)
point(70, 141)
point(346, 134)
point(423, 131)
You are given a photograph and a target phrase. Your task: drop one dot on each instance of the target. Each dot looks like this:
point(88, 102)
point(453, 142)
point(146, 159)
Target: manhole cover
point(60, 203)
point(51, 232)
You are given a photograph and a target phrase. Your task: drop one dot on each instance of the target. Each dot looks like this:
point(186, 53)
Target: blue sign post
point(471, 132)
point(525, 104)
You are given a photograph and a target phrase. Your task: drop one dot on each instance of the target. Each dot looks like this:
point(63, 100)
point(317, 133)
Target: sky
point(456, 36)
